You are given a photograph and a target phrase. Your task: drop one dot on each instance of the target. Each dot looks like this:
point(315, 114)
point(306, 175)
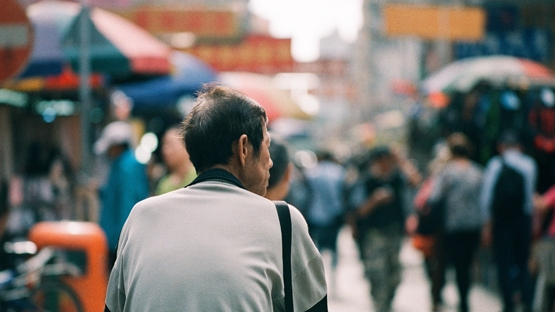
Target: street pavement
point(348, 290)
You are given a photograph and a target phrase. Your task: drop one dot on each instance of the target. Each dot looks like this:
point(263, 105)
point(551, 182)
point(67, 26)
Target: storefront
point(27, 119)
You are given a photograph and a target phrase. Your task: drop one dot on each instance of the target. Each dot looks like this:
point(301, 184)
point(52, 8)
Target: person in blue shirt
point(325, 212)
point(126, 184)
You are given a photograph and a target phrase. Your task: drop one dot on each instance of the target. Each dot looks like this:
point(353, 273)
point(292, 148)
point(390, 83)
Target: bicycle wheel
point(55, 296)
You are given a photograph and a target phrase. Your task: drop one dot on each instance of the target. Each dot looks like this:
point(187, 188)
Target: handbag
point(424, 243)
point(431, 215)
point(431, 219)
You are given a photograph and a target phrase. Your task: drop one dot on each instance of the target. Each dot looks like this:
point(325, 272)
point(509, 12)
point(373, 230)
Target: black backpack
point(508, 195)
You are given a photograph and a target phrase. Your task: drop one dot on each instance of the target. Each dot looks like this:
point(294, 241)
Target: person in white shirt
point(215, 245)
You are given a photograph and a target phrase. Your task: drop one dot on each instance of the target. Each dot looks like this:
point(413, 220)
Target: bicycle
point(34, 285)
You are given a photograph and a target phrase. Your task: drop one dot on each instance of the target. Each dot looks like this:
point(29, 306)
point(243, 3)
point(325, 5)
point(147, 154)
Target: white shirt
point(212, 246)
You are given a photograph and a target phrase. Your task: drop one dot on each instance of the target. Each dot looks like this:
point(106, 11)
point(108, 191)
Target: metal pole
point(85, 95)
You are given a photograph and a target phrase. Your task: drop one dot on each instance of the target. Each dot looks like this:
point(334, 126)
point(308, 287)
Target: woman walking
point(457, 191)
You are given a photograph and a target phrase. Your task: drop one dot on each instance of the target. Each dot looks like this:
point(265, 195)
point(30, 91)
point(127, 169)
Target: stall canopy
point(117, 46)
point(187, 76)
point(464, 74)
point(278, 103)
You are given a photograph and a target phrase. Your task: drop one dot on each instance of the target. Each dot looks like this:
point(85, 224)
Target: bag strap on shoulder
point(285, 224)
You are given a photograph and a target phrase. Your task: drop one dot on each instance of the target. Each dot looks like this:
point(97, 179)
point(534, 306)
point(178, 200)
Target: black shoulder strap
point(285, 224)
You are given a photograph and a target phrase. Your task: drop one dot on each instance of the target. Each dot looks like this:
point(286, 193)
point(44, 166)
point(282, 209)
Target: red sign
point(256, 53)
point(16, 39)
point(204, 23)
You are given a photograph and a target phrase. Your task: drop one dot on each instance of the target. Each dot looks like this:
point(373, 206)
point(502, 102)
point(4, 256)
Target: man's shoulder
point(296, 215)
point(161, 199)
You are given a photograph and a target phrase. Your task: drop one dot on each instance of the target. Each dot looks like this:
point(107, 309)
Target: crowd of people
point(496, 206)
point(216, 168)
point(509, 137)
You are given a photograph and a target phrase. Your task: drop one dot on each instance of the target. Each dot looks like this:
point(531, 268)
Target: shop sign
point(13, 98)
point(55, 107)
point(256, 53)
point(533, 43)
point(434, 22)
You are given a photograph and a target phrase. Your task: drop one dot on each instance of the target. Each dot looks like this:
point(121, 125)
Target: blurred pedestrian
point(326, 212)
point(121, 106)
point(419, 224)
point(456, 190)
point(62, 177)
point(180, 169)
point(380, 222)
point(542, 265)
point(544, 205)
point(355, 192)
point(127, 181)
point(38, 190)
point(280, 172)
point(120, 109)
point(5, 262)
point(300, 194)
point(507, 194)
point(216, 244)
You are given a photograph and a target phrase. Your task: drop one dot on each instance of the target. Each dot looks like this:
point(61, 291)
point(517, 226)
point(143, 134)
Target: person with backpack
point(507, 204)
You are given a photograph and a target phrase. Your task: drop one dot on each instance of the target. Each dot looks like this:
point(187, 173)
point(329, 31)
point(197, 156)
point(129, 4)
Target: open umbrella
point(188, 75)
point(464, 74)
point(277, 103)
point(117, 46)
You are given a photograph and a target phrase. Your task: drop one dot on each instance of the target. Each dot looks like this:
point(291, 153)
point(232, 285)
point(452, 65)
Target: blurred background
point(340, 74)
point(345, 75)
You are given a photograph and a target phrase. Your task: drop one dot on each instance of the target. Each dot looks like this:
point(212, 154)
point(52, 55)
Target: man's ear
point(242, 150)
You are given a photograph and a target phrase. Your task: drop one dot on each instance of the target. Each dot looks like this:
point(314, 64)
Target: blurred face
point(122, 109)
point(257, 171)
point(384, 166)
point(173, 150)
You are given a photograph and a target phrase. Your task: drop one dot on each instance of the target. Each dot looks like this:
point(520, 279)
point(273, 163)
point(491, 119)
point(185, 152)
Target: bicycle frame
point(18, 285)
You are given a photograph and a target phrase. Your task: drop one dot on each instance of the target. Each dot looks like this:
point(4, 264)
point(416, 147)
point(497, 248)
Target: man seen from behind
point(215, 245)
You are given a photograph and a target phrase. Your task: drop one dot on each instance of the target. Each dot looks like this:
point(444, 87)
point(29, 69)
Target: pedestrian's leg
point(462, 248)
point(437, 262)
point(522, 255)
point(334, 234)
point(504, 259)
point(395, 268)
point(376, 268)
point(328, 241)
point(550, 298)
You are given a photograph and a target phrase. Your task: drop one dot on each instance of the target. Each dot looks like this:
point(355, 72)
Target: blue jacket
point(127, 184)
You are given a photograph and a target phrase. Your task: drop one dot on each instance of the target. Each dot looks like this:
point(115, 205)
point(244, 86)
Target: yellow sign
point(434, 22)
